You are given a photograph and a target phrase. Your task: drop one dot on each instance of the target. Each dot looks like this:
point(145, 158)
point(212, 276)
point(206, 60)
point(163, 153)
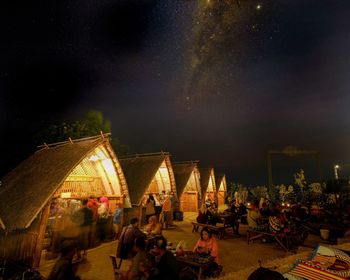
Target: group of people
point(150, 258)
point(208, 214)
point(162, 205)
point(147, 262)
point(84, 221)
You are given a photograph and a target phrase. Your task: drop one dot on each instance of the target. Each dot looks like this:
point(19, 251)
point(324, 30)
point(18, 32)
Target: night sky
point(220, 81)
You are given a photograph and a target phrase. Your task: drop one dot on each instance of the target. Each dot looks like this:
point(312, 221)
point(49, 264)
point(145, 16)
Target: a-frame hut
point(145, 174)
point(188, 188)
point(55, 175)
point(208, 186)
point(221, 186)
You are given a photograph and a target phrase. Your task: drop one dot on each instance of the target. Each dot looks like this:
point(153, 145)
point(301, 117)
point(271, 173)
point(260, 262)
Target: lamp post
point(336, 167)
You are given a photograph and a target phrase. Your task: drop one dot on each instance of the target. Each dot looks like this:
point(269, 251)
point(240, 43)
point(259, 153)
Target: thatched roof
point(218, 179)
point(139, 172)
point(205, 177)
point(183, 171)
point(28, 188)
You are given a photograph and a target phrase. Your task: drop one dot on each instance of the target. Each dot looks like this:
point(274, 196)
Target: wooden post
point(41, 235)
point(269, 171)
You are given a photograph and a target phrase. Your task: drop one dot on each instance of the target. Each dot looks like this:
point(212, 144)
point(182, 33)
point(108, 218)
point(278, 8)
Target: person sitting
point(263, 273)
point(135, 272)
point(127, 238)
point(154, 227)
point(207, 245)
point(212, 215)
point(63, 268)
point(265, 211)
point(202, 217)
point(167, 267)
point(254, 218)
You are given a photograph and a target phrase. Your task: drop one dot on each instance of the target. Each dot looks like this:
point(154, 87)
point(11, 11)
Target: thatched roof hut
point(221, 186)
point(72, 169)
point(208, 186)
point(187, 179)
point(148, 173)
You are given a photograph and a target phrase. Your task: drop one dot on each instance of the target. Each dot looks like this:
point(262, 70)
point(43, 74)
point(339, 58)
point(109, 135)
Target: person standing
point(102, 222)
point(172, 200)
point(83, 217)
point(150, 207)
point(117, 219)
point(157, 205)
point(63, 268)
point(166, 209)
point(93, 205)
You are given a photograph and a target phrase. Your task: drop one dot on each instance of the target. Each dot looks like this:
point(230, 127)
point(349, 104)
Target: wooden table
point(226, 218)
point(195, 262)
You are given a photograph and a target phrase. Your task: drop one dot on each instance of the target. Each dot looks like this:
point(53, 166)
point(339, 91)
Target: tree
point(90, 125)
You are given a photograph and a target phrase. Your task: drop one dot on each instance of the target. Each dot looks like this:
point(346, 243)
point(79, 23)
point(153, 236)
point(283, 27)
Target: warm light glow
point(94, 158)
point(248, 203)
point(66, 195)
point(288, 205)
point(282, 203)
point(258, 7)
point(336, 166)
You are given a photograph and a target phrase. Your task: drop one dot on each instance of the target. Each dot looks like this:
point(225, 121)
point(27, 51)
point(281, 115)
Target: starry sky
point(220, 81)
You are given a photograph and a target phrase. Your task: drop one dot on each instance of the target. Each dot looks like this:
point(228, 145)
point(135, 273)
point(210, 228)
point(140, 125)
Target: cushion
point(311, 270)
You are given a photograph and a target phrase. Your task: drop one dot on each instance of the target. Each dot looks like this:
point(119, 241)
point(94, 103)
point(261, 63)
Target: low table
point(196, 262)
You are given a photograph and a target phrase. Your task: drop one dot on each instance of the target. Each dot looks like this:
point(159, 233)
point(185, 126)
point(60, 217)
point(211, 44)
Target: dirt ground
point(235, 253)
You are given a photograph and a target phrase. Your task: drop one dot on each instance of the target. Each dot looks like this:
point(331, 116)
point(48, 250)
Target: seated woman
point(154, 227)
point(254, 219)
point(207, 244)
point(202, 217)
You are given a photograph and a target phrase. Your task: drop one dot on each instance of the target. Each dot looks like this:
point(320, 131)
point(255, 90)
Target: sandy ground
point(235, 253)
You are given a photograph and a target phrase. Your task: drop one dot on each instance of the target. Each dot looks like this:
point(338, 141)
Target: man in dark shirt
point(167, 268)
point(127, 238)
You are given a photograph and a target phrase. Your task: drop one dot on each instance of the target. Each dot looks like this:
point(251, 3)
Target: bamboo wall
point(19, 245)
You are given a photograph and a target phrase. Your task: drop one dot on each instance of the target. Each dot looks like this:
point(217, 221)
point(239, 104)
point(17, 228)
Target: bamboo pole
point(41, 234)
point(74, 140)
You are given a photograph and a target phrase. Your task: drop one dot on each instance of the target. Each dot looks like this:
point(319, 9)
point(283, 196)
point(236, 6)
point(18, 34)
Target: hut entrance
point(189, 202)
point(48, 187)
point(189, 198)
point(161, 181)
point(210, 195)
point(221, 194)
point(94, 177)
point(221, 182)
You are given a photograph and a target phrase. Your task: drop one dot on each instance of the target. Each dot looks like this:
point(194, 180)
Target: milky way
point(221, 31)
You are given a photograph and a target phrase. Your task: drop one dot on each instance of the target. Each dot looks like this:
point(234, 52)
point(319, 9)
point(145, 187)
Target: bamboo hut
point(188, 188)
point(208, 187)
point(220, 181)
point(147, 174)
point(62, 171)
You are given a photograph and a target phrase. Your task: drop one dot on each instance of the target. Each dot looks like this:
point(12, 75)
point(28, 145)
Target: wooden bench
point(257, 234)
point(116, 260)
point(219, 230)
